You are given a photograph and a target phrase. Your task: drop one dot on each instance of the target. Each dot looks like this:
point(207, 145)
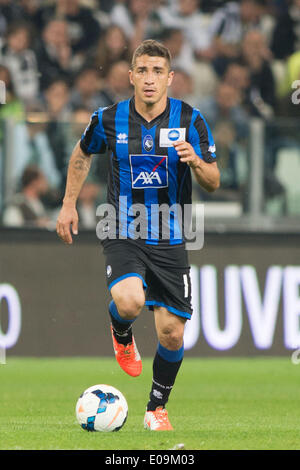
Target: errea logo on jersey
point(122, 138)
point(149, 171)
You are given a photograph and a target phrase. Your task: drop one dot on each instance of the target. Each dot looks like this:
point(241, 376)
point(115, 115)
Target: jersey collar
point(142, 120)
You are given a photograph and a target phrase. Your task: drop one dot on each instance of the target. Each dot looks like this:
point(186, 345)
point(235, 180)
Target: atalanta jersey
point(145, 169)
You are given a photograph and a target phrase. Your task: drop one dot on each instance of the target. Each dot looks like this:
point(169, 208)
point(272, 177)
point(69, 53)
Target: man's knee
point(130, 305)
point(171, 338)
point(170, 332)
point(129, 297)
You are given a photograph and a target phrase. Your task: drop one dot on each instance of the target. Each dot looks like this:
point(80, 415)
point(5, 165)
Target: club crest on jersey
point(149, 171)
point(148, 143)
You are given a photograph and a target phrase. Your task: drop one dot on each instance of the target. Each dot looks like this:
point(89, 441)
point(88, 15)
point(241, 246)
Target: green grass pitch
point(215, 404)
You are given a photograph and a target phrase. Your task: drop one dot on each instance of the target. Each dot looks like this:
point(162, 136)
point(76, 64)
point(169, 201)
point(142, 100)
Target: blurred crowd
point(62, 59)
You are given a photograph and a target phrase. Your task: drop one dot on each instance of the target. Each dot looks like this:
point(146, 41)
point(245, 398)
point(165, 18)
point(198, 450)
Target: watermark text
point(152, 223)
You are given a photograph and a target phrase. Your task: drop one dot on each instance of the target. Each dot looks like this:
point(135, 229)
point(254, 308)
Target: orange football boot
point(157, 420)
point(127, 356)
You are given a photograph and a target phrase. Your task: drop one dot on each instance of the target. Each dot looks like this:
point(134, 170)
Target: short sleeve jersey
point(145, 168)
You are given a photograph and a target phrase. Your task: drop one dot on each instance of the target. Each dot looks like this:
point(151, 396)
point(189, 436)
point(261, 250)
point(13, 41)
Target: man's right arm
point(78, 169)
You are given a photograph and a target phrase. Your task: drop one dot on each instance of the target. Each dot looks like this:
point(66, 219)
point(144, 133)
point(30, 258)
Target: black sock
point(166, 365)
point(123, 338)
point(122, 329)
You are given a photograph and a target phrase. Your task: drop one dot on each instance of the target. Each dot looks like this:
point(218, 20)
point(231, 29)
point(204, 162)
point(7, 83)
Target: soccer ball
point(101, 408)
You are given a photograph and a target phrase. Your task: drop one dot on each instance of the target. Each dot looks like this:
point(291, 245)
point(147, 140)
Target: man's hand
point(68, 216)
point(207, 174)
point(78, 168)
point(186, 153)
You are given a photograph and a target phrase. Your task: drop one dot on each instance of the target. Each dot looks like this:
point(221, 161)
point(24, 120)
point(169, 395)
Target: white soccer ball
point(101, 408)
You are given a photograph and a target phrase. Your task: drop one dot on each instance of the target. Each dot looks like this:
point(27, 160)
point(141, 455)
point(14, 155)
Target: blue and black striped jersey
point(144, 166)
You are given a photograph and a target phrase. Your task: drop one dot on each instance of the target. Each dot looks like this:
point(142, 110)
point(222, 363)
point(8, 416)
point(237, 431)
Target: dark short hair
point(17, 26)
point(57, 79)
point(30, 174)
point(152, 48)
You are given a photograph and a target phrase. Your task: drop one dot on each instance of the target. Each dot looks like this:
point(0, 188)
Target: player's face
point(150, 77)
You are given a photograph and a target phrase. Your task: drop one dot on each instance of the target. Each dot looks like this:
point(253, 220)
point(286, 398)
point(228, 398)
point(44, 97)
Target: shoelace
point(128, 353)
point(161, 416)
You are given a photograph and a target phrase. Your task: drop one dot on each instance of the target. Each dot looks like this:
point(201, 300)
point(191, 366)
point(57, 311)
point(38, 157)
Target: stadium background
point(239, 63)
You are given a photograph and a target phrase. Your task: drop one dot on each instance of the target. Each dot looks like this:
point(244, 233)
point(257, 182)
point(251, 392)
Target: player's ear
point(130, 77)
point(170, 77)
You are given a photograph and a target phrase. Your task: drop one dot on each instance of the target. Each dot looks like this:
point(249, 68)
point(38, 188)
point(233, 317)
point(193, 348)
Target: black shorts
point(164, 270)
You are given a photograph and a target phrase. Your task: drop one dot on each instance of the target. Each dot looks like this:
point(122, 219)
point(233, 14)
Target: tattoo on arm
point(78, 169)
point(82, 163)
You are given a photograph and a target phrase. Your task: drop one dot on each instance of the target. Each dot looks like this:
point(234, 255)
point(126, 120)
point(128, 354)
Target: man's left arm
point(199, 153)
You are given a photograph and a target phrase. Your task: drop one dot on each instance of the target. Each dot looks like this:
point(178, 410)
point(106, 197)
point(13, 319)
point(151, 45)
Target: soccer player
point(155, 143)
